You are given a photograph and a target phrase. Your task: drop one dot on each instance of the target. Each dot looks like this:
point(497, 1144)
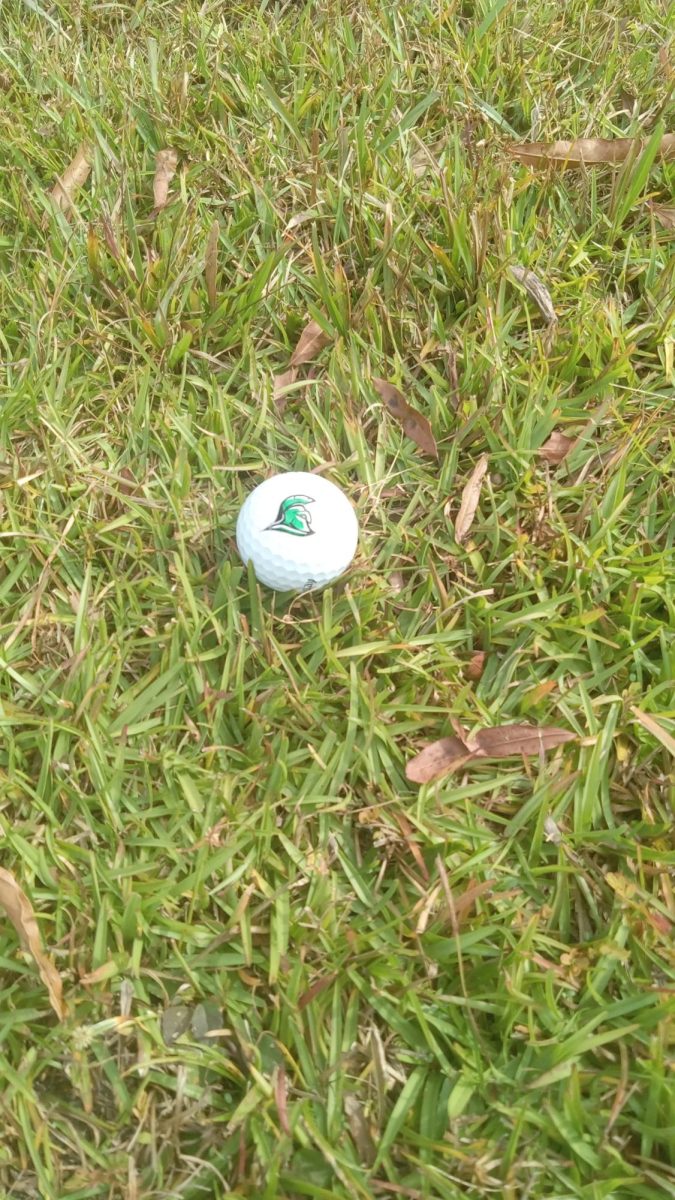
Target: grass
point(289, 972)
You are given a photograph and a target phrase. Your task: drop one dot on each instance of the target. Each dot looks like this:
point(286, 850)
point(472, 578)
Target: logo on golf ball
point(293, 517)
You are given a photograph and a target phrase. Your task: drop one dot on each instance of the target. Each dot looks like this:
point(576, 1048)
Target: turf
point(289, 972)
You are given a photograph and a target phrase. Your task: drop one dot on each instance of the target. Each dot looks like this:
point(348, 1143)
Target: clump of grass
point(289, 972)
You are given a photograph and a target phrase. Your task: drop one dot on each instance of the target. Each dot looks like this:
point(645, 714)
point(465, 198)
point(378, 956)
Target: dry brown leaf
point(476, 665)
point(552, 831)
point(470, 498)
point(585, 151)
point(19, 910)
point(537, 290)
point(281, 383)
point(465, 901)
point(655, 728)
point(415, 426)
point(358, 1127)
point(74, 176)
point(110, 238)
point(557, 448)
point(458, 729)
point(166, 162)
point(281, 1099)
point(405, 827)
point(451, 364)
point(211, 263)
point(664, 60)
point(504, 741)
point(315, 989)
point(420, 162)
point(437, 759)
point(127, 482)
point(660, 923)
point(100, 974)
point(426, 158)
point(312, 341)
point(538, 693)
point(626, 889)
point(664, 213)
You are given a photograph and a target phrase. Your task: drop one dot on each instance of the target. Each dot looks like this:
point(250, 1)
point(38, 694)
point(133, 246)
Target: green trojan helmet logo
point(293, 517)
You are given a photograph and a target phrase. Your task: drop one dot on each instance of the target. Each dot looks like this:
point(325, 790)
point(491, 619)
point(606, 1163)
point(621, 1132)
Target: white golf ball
point(299, 531)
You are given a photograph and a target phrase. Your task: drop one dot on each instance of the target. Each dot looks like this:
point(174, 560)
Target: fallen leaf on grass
point(300, 218)
point(660, 923)
point(406, 830)
point(437, 759)
point(586, 151)
point(18, 908)
point(175, 1021)
point(211, 263)
point(110, 237)
point(281, 1099)
point(505, 741)
point(414, 424)
point(664, 213)
point(655, 728)
point(552, 831)
point(311, 342)
point(315, 989)
point(281, 383)
point(451, 365)
point(206, 1022)
point(166, 162)
point(557, 448)
point(537, 290)
point(465, 901)
point(538, 693)
point(128, 484)
point(358, 1127)
point(100, 974)
point(470, 498)
point(501, 741)
point(93, 251)
point(626, 889)
point(476, 665)
point(74, 176)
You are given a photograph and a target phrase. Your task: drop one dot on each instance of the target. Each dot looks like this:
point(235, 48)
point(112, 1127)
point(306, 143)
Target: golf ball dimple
point(299, 531)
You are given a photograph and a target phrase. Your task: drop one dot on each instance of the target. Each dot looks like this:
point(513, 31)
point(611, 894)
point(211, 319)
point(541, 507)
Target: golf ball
point(299, 531)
